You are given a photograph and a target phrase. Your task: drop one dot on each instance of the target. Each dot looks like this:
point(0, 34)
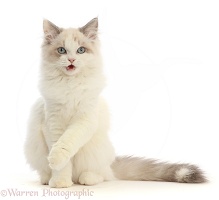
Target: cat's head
point(71, 51)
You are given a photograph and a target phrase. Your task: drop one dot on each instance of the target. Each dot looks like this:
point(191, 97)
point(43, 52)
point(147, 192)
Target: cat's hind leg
point(91, 165)
point(90, 178)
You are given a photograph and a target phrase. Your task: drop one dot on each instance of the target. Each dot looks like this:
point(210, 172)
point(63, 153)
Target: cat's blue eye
point(61, 50)
point(81, 50)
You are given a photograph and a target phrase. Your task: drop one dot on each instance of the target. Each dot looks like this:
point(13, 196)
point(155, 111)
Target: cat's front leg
point(62, 178)
point(76, 136)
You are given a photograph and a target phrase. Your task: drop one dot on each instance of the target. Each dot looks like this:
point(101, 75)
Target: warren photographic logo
point(74, 194)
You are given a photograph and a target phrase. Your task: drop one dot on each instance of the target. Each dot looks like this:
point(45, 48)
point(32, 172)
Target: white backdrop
point(162, 66)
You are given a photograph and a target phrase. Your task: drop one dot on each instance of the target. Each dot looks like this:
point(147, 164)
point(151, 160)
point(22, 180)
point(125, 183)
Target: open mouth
point(70, 68)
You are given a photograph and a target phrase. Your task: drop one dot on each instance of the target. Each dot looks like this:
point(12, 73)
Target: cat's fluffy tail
point(139, 169)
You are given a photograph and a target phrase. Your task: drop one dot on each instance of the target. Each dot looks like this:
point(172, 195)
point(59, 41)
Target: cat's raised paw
point(58, 157)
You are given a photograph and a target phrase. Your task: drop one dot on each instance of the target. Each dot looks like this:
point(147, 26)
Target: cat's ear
point(50, 30)
point(90, 30)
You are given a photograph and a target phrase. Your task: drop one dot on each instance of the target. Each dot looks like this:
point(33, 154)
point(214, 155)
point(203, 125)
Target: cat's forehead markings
point(71, 38)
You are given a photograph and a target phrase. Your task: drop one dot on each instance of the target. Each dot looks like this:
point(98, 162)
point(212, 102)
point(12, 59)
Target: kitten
point(67, 139)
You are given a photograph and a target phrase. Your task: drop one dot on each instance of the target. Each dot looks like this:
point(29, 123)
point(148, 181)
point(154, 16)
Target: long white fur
point(67, 139)
point(69, 124)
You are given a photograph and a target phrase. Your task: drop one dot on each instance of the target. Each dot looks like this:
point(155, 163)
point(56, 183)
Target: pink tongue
point(70, 67)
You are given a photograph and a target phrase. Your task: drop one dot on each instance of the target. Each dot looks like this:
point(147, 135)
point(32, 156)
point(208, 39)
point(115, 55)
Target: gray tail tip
point(190, 174)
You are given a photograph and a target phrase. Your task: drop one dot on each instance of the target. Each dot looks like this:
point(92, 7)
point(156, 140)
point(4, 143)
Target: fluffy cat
point(67, 139)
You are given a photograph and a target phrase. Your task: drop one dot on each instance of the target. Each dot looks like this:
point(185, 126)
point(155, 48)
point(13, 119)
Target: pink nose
point(71, 60)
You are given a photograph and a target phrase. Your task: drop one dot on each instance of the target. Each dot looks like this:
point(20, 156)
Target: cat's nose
point(71, 60)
